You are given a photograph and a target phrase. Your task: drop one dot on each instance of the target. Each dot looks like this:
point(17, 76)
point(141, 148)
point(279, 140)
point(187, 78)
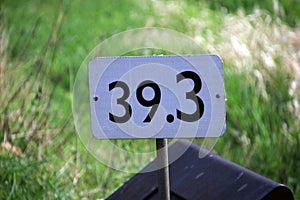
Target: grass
point(286, 10)
point(42, 46)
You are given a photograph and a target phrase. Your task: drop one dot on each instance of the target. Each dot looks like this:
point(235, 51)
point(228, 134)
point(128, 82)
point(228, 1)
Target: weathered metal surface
point(211, 177)
point(157, 97)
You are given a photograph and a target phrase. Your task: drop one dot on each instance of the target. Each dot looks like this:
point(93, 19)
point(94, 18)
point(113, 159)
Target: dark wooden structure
point(211, 177)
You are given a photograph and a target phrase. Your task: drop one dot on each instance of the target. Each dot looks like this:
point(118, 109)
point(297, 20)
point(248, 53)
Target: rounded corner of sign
point(223, 130)
point(90, 63)
point(217, 59)
point(218, 133)
point(96, 136)
point(222, 133)
point(95, 132)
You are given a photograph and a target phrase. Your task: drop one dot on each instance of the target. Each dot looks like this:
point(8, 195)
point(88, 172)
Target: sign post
point(163, 169)
point(157, 97)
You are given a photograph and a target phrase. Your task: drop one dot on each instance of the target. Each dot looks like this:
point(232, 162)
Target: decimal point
point(170, 118)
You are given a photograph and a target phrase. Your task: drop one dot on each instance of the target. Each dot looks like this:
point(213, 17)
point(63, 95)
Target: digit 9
point(154, 102)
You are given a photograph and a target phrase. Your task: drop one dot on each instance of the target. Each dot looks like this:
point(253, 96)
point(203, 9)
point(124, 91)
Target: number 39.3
point(154, 102)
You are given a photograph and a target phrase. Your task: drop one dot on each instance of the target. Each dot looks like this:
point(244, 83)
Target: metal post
point(163, 169)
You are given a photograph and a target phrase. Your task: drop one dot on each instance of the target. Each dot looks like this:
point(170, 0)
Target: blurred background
point(43, 43)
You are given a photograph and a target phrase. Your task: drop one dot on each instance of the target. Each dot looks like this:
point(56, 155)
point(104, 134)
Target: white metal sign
point(157, 97)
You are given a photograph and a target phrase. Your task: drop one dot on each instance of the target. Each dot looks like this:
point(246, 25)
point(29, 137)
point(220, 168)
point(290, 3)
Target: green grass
point(286, 10)
point(43, 44)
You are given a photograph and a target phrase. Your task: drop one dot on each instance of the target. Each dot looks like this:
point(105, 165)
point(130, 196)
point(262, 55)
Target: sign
point(157, 97)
